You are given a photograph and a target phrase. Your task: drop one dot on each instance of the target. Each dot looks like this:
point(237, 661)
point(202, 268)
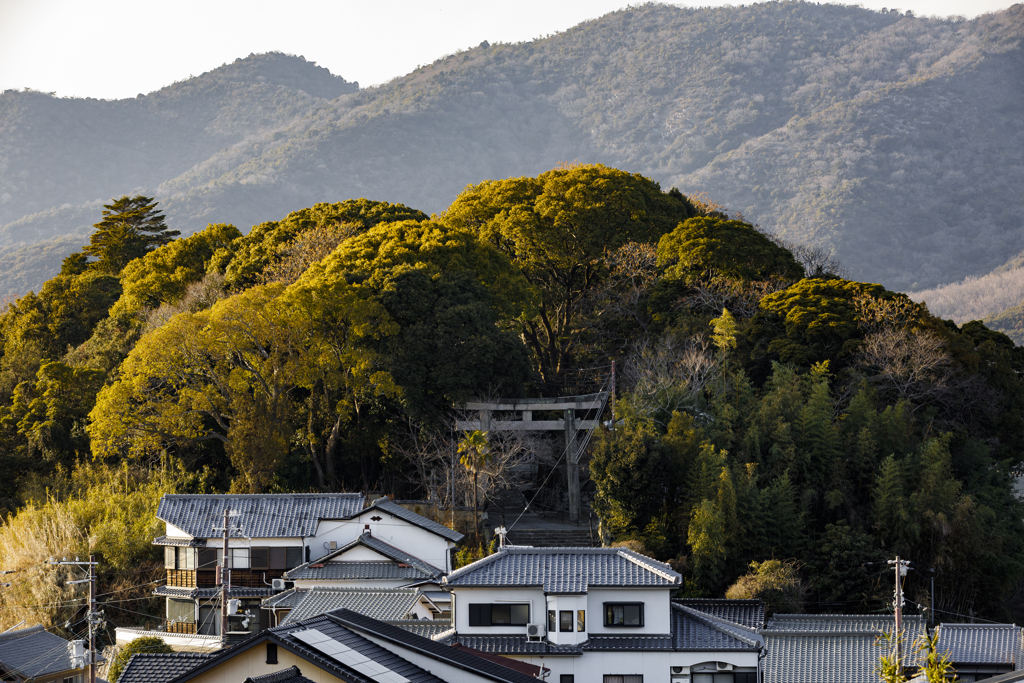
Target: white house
point(272, 534)
point(595, 614)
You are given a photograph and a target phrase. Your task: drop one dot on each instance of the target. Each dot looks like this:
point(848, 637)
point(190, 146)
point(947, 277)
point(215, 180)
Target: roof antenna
point(501, 531)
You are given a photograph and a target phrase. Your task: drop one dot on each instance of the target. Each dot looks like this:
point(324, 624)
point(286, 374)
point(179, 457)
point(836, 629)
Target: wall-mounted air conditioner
point(680, 670)
point(277, 584)
point(724, 666)
point(684, 678)
point(534, 631)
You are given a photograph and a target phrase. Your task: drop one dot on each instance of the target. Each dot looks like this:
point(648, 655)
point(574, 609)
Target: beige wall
point(253, 662)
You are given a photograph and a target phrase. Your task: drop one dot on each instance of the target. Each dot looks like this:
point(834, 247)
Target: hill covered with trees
point(768, 409)
point(889, 141)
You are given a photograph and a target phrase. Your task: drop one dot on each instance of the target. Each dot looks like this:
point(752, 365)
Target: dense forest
point(888, 140)
point(771, 414)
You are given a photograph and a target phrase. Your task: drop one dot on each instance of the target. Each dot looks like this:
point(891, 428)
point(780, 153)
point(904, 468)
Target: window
point(271, 653)
point(170, 558)
point(187, 559)
point(566, 678)
point(745, 677)
point(259, 558)
point(507, 614)
point(623, 614)
point(209, 558)
point(623, 678)
point(278, 558)
point(581, 620)
point(181, 611)
point(239, 558)
point(294, 557)
point(565, 621)
point(551, 621)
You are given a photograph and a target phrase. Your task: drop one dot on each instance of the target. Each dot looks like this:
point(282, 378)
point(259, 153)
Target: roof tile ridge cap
point(714, 624)
point(635, 559)
point(14, 635)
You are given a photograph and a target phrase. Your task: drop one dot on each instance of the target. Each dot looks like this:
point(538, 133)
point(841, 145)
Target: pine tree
point(131, 226)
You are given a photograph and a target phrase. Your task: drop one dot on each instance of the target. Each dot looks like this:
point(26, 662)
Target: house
point(269, 535)
point(38, 656)
point(981, 651)
point(832, 648)
point(384, 604)
point(338, 646)
point(595, 614)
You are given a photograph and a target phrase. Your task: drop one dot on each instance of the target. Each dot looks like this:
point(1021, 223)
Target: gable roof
point(290, 515)
point(981, 643)
point(425, 646)
point(34, 652)
point(696, 630)
point(830, 648)
point(392, 508)
point(385, 604)
point(326, 569)
point(565, 570)
point(749, 613)
point(158, 668)
point(290, 675)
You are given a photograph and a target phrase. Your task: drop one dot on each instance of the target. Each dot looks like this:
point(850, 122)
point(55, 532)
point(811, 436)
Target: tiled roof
point(397, 510)
point(422, 627)
point(329, 644)
point(286, 599)
point(430, 648)
point(565, 570)
point(160, 668)
point(351, 571)
point(288, 515)
point(830, 648)
point(416, 570)
point(629, 643)
point(290, 675)
point(695, 630)
point(509, 645)
point(384, 604)
point(749, 613)
point(180, 542)
point(521, 667)
point(234, 592)
point(981, 643)
point(33, 652)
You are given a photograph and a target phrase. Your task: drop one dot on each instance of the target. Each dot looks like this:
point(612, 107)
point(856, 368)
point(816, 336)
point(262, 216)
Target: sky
point(111, 49)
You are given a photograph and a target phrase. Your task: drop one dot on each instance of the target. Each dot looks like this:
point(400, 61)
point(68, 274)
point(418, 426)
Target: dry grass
point(975, 297)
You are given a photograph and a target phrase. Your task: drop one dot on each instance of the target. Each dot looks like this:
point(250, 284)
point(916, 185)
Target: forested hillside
point(888, 140)
point(768, 409)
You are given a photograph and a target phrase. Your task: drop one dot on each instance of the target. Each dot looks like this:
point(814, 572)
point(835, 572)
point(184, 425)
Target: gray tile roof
point(160, 668)
point(286, 599)
point(830, 648)
point(696, 630)
point(325, 569)
point(384, 604)
point(180, 542)
point(33, 652)
point(288, 515)
point(565, 570)
point(749, 613)
point(423, 628)
point(290, 675)
point(981, 643)
point(234, 592)
point(397, 510)
point(509, 645)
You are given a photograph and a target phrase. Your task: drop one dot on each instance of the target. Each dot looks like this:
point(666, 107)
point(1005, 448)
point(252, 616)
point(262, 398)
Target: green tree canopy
point(558, 229)
point(705, 246)
point(131, 226)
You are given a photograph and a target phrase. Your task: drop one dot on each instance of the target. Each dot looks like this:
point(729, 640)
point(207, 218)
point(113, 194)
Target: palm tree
point(475, 455)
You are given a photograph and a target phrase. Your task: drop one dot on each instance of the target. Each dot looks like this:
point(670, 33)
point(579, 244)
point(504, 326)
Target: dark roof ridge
point(959, 625)
point(282, 675)
point(14, 635)
point(262, 495)
point(725, 626)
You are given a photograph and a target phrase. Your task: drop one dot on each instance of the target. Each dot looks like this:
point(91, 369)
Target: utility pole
point(225, 580)
point(900, 567)
point(93, 617)
point(611, 396)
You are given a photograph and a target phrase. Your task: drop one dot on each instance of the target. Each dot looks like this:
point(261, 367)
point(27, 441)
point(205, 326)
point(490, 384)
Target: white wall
point(410, 538)
point(465, 596)
point(352, 583)
point(572, 603)
point(657, 610)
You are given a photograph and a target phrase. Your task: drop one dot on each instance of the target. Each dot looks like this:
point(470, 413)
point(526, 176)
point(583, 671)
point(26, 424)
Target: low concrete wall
point(179, 642)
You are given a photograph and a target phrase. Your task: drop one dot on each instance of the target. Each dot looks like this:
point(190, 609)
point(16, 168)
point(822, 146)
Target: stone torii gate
point(569, 424)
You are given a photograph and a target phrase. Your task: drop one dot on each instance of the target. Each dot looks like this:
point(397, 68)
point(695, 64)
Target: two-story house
point(595, 614)
point(34, 655)
point(268, 535)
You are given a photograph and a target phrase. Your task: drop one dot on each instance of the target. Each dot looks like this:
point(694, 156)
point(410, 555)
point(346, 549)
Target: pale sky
point(113, 49)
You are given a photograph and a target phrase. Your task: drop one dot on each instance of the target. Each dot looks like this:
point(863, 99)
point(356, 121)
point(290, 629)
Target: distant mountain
point(893, 141)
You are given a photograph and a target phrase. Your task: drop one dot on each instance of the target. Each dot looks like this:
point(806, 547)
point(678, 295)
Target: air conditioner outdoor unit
point(334, 546)
point(684, 678)
point(534, 631)
point(723, 666)
point(680, 670)
point(233, 607)
point(277, 584)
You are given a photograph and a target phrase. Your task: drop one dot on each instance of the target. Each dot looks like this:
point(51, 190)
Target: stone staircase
point(546, 537)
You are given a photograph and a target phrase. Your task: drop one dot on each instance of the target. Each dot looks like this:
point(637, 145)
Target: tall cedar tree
point(131, 227)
